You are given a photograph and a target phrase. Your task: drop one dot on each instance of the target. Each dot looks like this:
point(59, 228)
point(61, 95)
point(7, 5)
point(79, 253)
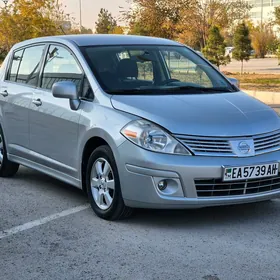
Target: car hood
point(222, 114)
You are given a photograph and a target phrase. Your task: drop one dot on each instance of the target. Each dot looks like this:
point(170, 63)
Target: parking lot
point(47, 231)
point(260, 66)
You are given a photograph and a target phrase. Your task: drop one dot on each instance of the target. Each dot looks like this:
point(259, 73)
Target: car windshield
point(149, 69)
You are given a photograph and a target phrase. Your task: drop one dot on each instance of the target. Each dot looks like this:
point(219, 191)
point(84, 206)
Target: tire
point(7, 168)
point(103, 186)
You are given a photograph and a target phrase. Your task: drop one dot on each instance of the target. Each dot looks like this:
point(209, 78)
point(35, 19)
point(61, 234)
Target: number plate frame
point(226, 168)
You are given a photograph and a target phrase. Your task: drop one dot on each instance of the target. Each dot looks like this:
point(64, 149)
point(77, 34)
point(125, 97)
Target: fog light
point(162, 185)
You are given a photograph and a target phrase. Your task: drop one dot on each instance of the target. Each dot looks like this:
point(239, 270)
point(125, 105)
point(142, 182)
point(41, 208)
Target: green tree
point(76, 30)
point(105, 23)
point(273, 46)
point(242, 44)
point(23, 19)
point(277, 15)
point(136, 28)
point(208, 13)
point(86, 30)
point(158, 18)
point(278, 54)
point(187, 21)
point(214, 50)
point(117, 30)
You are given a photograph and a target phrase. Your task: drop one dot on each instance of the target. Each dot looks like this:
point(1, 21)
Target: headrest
point(127, 68)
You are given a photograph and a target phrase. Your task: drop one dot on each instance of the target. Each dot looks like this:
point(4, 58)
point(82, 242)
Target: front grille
point(216, 187)
point(206, 145)
point(221, 146)
point(267, 142)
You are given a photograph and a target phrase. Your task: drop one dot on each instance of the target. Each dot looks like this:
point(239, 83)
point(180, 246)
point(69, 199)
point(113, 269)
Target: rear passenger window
point(61, 66)
point(26, 65)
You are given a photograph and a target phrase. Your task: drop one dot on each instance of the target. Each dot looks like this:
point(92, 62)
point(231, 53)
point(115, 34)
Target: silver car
point(136, 122)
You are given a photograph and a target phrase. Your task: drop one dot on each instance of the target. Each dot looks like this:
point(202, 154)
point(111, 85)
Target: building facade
point(262, 10)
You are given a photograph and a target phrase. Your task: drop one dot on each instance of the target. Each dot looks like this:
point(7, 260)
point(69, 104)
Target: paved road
point(265, 66)
point(228, 243)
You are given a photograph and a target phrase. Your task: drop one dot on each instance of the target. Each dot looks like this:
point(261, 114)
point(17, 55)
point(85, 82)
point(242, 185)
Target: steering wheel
point(168, 81)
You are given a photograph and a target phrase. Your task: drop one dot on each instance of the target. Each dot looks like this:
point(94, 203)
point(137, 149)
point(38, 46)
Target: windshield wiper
point(203, 89)
point(168, 90)
point(133, 91)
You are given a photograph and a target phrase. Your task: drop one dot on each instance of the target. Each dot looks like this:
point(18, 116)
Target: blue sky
point(91, 8)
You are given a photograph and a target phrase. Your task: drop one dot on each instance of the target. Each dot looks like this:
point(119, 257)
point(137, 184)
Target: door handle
point(37, 102)
point(4, 93)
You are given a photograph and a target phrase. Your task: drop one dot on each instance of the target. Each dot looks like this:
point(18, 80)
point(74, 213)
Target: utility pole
point(5, 3)
point(80, 4)
point(261, 14)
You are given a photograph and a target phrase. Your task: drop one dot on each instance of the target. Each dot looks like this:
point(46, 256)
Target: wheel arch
point(99, 138)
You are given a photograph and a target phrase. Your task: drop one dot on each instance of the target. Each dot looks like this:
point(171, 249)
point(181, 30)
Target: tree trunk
point(241, 67)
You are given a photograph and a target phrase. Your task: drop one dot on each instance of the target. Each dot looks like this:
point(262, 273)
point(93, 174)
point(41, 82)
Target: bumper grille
point(216, 187)
point(221, 146)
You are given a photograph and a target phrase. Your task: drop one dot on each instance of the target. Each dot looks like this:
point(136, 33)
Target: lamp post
point(261, 14)
point(5, 3)
point(80, 5)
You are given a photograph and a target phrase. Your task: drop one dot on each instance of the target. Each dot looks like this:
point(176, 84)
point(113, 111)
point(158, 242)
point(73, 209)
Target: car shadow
point(38, 180)
point(207, 217)
point(203, 217)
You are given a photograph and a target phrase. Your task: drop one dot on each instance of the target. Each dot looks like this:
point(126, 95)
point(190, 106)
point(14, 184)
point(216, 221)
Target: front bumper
point(140, 170)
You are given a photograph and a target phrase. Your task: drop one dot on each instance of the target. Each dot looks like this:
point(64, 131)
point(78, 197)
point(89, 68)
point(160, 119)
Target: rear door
point(53, 125)
point(17, 91)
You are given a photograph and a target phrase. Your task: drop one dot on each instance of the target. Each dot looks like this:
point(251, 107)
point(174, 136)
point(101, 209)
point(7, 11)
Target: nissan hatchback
point(136, 122)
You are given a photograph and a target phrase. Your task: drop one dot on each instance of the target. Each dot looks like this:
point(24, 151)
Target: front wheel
point(103, 186)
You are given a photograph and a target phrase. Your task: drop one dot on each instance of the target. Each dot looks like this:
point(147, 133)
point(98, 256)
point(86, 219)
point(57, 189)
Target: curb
point(268, 97)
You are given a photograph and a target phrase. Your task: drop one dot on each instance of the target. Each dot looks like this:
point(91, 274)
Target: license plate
point(231, 173)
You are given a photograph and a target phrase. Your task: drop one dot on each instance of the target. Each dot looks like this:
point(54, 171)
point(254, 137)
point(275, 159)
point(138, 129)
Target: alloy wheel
point(102, 183)
point(1, 150)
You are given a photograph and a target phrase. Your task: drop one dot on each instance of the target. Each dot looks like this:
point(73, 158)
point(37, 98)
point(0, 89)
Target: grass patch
point(260, 82)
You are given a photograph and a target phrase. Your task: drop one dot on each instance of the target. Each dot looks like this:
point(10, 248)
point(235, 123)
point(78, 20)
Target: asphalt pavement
point(48, 231)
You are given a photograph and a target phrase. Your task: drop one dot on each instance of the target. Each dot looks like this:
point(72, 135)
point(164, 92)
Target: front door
point(53, 125)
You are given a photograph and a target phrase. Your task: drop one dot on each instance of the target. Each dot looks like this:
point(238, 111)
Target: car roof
point(101, 40)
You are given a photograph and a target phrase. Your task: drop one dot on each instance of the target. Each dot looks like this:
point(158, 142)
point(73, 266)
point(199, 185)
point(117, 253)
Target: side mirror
point(234, 81)
point(67, 90)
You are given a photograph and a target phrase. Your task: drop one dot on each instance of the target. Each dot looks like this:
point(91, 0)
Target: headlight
point(151, 137)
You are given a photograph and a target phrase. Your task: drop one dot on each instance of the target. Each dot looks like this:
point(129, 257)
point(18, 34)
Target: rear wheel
point(103, 186)
point(7, 168)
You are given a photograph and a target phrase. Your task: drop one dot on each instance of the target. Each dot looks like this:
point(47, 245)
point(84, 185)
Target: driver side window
point(184, 70)
point(60, 66)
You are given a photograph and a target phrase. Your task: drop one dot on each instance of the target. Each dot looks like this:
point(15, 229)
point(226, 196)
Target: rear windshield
point(153, 70)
